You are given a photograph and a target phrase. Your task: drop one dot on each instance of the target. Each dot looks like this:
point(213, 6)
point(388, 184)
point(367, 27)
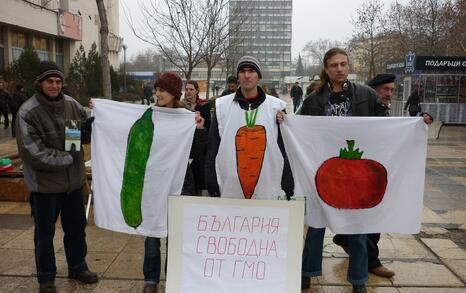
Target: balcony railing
point(48, 4)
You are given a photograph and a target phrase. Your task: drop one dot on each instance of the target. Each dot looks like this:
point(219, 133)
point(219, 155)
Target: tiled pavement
point(432, 261)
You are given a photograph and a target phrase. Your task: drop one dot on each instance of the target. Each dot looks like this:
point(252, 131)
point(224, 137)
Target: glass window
point(18, 40)
point(40, 43)
point(42, 48)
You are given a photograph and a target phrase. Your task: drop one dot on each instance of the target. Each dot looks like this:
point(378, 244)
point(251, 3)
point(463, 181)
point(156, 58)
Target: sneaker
point(150, 288)
point(381, 271)
point(359, 289)
point(47, 287)
point(305, 283)
point(86, 277)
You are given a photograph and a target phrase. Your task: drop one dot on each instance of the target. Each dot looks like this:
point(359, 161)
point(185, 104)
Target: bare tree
point(455, 21)
point(147, 60)
point(427, 27)
point(175, 29)
point(314, 51)
point(221, 22)
point(368, 26)
point(106, 81)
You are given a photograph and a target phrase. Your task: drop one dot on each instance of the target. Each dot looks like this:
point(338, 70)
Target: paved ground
point(432, 261)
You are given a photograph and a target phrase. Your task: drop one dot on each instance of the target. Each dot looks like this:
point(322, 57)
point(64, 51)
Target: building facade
point(262, 28)
point(440, 81)
point(55, 29)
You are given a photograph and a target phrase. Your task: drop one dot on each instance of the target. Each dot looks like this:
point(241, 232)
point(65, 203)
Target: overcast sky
point(312, 20)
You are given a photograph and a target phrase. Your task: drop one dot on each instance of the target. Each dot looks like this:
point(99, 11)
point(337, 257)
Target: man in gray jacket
point(55, 177)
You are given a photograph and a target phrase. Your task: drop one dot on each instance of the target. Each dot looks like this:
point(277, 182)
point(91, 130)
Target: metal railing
point(48, 4)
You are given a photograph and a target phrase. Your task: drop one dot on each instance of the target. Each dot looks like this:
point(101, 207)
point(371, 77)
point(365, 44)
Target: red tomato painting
point(349, 182)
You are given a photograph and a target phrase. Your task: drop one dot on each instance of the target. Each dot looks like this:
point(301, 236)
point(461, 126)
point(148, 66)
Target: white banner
point(234, 245)
point(118, 170)
point(360, 174)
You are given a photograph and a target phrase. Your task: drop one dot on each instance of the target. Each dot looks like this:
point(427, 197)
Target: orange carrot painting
point(250, 144)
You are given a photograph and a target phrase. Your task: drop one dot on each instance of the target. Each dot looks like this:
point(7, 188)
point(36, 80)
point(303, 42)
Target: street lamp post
point(124, 67)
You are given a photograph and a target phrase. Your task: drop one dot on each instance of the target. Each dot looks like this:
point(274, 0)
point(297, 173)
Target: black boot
point(359, 288)
point(86, 277)
point(47, 287)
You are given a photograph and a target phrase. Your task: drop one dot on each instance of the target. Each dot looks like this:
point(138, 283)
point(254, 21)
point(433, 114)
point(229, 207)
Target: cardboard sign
point(234, 245)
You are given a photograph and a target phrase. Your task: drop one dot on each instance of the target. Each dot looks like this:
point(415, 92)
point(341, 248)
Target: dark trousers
point(13, 121)
point(312, 256)
point(296, 103)
point(4, 112)
point(373, 260)
point(152, 260)
point(46, 208)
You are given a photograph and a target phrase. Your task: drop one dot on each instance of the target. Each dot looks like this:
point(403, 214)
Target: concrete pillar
point(7, 46)
point(52, 49)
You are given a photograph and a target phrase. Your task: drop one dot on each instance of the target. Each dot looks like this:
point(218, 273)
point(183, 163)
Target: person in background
point(232, 86)
point(192, 102)
point(296, 94)
point(19, 97)
point(4, 100)
point(54, 177)
point(274, 93)
point(413, 104)
point(147, 94)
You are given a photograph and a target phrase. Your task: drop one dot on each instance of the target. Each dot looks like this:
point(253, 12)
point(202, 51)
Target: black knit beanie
point(249, 62)
point(48, 69)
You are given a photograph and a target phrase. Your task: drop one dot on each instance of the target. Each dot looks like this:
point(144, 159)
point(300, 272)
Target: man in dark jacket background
point(54, 177)
point(296, 94)
point(19, 97)
point(232, 86)
point(4, 99)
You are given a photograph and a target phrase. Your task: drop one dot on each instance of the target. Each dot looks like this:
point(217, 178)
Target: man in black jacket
point(248, 97)
point(15, 102)
point(337, 96)
point(297, 96)
point(4, 99)
point(232, 86)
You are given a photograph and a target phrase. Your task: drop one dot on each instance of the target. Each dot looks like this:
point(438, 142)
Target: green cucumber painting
point(137, 154)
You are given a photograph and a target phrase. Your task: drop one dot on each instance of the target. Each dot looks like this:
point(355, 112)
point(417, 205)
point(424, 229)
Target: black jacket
point(413, 100)
point(296, 92)
point(198, 150)
point(364, 102)
point(16, 101)
point(287, 181)
point(4, 99)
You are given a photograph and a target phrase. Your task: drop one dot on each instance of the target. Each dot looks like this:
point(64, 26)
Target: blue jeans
point(296, 103)
point(151, 266)
point(46, 207)
point(312, 256)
